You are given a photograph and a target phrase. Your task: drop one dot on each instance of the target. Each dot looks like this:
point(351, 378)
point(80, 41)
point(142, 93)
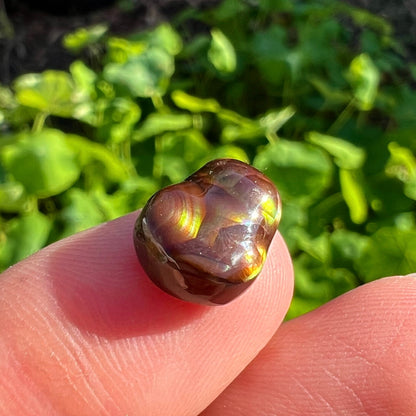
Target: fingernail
point(410, 275)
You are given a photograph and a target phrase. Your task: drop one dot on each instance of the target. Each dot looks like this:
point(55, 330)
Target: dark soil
point(31, 31)
point(400, 13)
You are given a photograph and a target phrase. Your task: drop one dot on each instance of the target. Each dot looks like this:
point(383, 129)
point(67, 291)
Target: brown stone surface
point(205, 240)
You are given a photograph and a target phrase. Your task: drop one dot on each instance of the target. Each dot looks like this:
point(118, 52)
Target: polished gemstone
point(205, 239)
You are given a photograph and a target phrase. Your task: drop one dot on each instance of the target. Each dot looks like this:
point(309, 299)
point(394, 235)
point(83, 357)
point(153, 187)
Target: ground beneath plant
point(31, 32)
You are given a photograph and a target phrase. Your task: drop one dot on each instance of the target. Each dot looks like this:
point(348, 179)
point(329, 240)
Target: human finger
point(353, 356)
point(86, 333)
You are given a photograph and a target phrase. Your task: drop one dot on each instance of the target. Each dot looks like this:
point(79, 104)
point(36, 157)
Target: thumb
point(87, 333)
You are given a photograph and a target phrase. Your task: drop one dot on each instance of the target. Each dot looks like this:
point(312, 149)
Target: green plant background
point(317, 94)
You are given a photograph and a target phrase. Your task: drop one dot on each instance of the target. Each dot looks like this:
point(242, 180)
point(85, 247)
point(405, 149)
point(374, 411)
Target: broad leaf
point(221, 52)
point(301, 171)
point(390, 251)
point(83, 37)
point(23, 236)
point(42, 162)
point(180, 154)
point(364, 78)
point(157, 124)
point(145, 75)
point(51, 92)
point(346, 155)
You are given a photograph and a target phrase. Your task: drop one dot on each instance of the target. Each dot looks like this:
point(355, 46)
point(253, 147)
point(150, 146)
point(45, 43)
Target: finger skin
point(354, 356)
point(84, 331)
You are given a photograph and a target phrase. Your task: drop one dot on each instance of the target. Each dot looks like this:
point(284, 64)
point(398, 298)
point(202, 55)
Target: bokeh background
point(101, 107)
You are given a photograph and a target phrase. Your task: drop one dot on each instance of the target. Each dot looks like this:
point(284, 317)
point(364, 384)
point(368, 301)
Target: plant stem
point(39, 121)
point(342, 118)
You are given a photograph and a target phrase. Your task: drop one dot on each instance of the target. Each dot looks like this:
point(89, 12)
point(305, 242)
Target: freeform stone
point(205, 239)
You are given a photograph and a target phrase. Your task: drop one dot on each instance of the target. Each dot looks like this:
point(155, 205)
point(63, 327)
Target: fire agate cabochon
point(205, 239)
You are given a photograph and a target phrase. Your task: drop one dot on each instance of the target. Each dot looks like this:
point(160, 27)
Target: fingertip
point(88, 304)
point(355, 352)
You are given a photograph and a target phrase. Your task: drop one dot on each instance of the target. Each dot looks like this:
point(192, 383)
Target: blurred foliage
point(317, 94)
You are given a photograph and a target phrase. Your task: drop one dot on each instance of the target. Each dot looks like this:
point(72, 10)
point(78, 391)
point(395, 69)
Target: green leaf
point(294, 218)
point(302, 172)
point(180, 154)
point(346, 155)
point(353, 194)
point(367, 19)
point(22, 237)
point(402, 165)
point(299, 306)
point(221, 52)
point(51, 92)
point(84, 78)
point(145, 75)
point(273, 120)
point(316, 283)
point(83, 37)
point(120, 50)
point(347, 248)
point(239, 128)
point(229, 152)
point(332, 95)
point(364, 78)
point(194, 104)
point(80, 212)
point(42, 162)
point(13, 197)
point(389, 252)
point(229, 9)
point(166, 37)
point(118, 120)
point(157, 123)
point(271, 54)
point(273, 5)
point(88, 152)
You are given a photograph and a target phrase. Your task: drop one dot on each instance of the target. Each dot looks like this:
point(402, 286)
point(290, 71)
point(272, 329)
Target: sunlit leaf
point(118, 120)
point(221, 52)
point(83, 37)
point(273, 120)
point(229, 152)
point(364, 78)
point(353, 194)
point(42, 162)
point(80, 212)
point(52, 92)
point(194, 104)
point(106, 163)
point(390, 251)
point(83, 77)
point(159, 123)
point(332, 95)
point(120, 50)
point(23, 236)
point(13, 197)
point(166, 37)
point(180, 154)
point(346, 155)
point(144, 75)
point(301, 171)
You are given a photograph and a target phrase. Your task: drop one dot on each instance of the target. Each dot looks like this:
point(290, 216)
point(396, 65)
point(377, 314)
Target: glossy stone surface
point(205, 240)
